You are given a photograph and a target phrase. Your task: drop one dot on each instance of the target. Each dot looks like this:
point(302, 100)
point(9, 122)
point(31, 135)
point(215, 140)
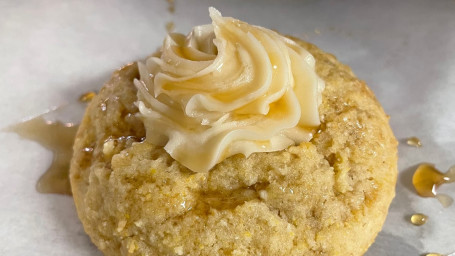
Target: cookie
point(328, 196)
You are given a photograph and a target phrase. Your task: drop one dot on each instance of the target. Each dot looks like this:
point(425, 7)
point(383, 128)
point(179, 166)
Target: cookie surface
point(329, 196)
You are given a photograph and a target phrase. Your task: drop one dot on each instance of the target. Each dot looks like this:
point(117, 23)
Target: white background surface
point(52, 51)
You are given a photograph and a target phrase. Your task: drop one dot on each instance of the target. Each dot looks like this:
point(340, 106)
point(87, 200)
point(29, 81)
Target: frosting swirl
point(227, 88)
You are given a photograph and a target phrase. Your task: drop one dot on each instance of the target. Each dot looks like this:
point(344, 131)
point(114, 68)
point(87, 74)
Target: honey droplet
point(427, 179)
point(450, 174)
point(433, 254)
point(170, 26)
point(414, 142)
point(57, 137)
point(87, 97)
point(445, 200)
point(171, 7)
point(419, 219)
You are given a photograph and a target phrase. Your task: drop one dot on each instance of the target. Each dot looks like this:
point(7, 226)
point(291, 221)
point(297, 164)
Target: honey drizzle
point(427, 179)
point(57, 137)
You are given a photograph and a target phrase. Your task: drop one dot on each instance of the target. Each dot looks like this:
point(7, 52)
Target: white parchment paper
point(51, 51)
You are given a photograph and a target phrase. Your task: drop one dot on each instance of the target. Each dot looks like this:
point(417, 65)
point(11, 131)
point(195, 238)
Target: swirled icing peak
point(228, 88)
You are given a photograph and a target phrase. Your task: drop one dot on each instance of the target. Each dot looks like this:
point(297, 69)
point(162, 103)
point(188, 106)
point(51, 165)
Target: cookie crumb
point(132, 246)
point(138, 223)
point(108, 147)
point(121, 225)
point(247, 234)
point(102, 244)
point(263, 194)
point(179, 250)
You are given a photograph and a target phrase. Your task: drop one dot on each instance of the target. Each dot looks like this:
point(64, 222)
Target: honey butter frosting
point(227, 88)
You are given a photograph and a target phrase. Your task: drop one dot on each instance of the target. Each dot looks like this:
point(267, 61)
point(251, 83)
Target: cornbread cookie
point(329, 196)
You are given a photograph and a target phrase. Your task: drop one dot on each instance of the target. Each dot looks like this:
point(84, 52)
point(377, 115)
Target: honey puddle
point(427, 179)
point(57, 137)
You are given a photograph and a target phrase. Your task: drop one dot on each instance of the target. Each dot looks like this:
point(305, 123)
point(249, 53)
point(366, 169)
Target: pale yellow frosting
point(228, 88)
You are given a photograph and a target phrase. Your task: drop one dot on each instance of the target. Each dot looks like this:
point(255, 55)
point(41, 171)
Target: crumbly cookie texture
point(329, 196)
